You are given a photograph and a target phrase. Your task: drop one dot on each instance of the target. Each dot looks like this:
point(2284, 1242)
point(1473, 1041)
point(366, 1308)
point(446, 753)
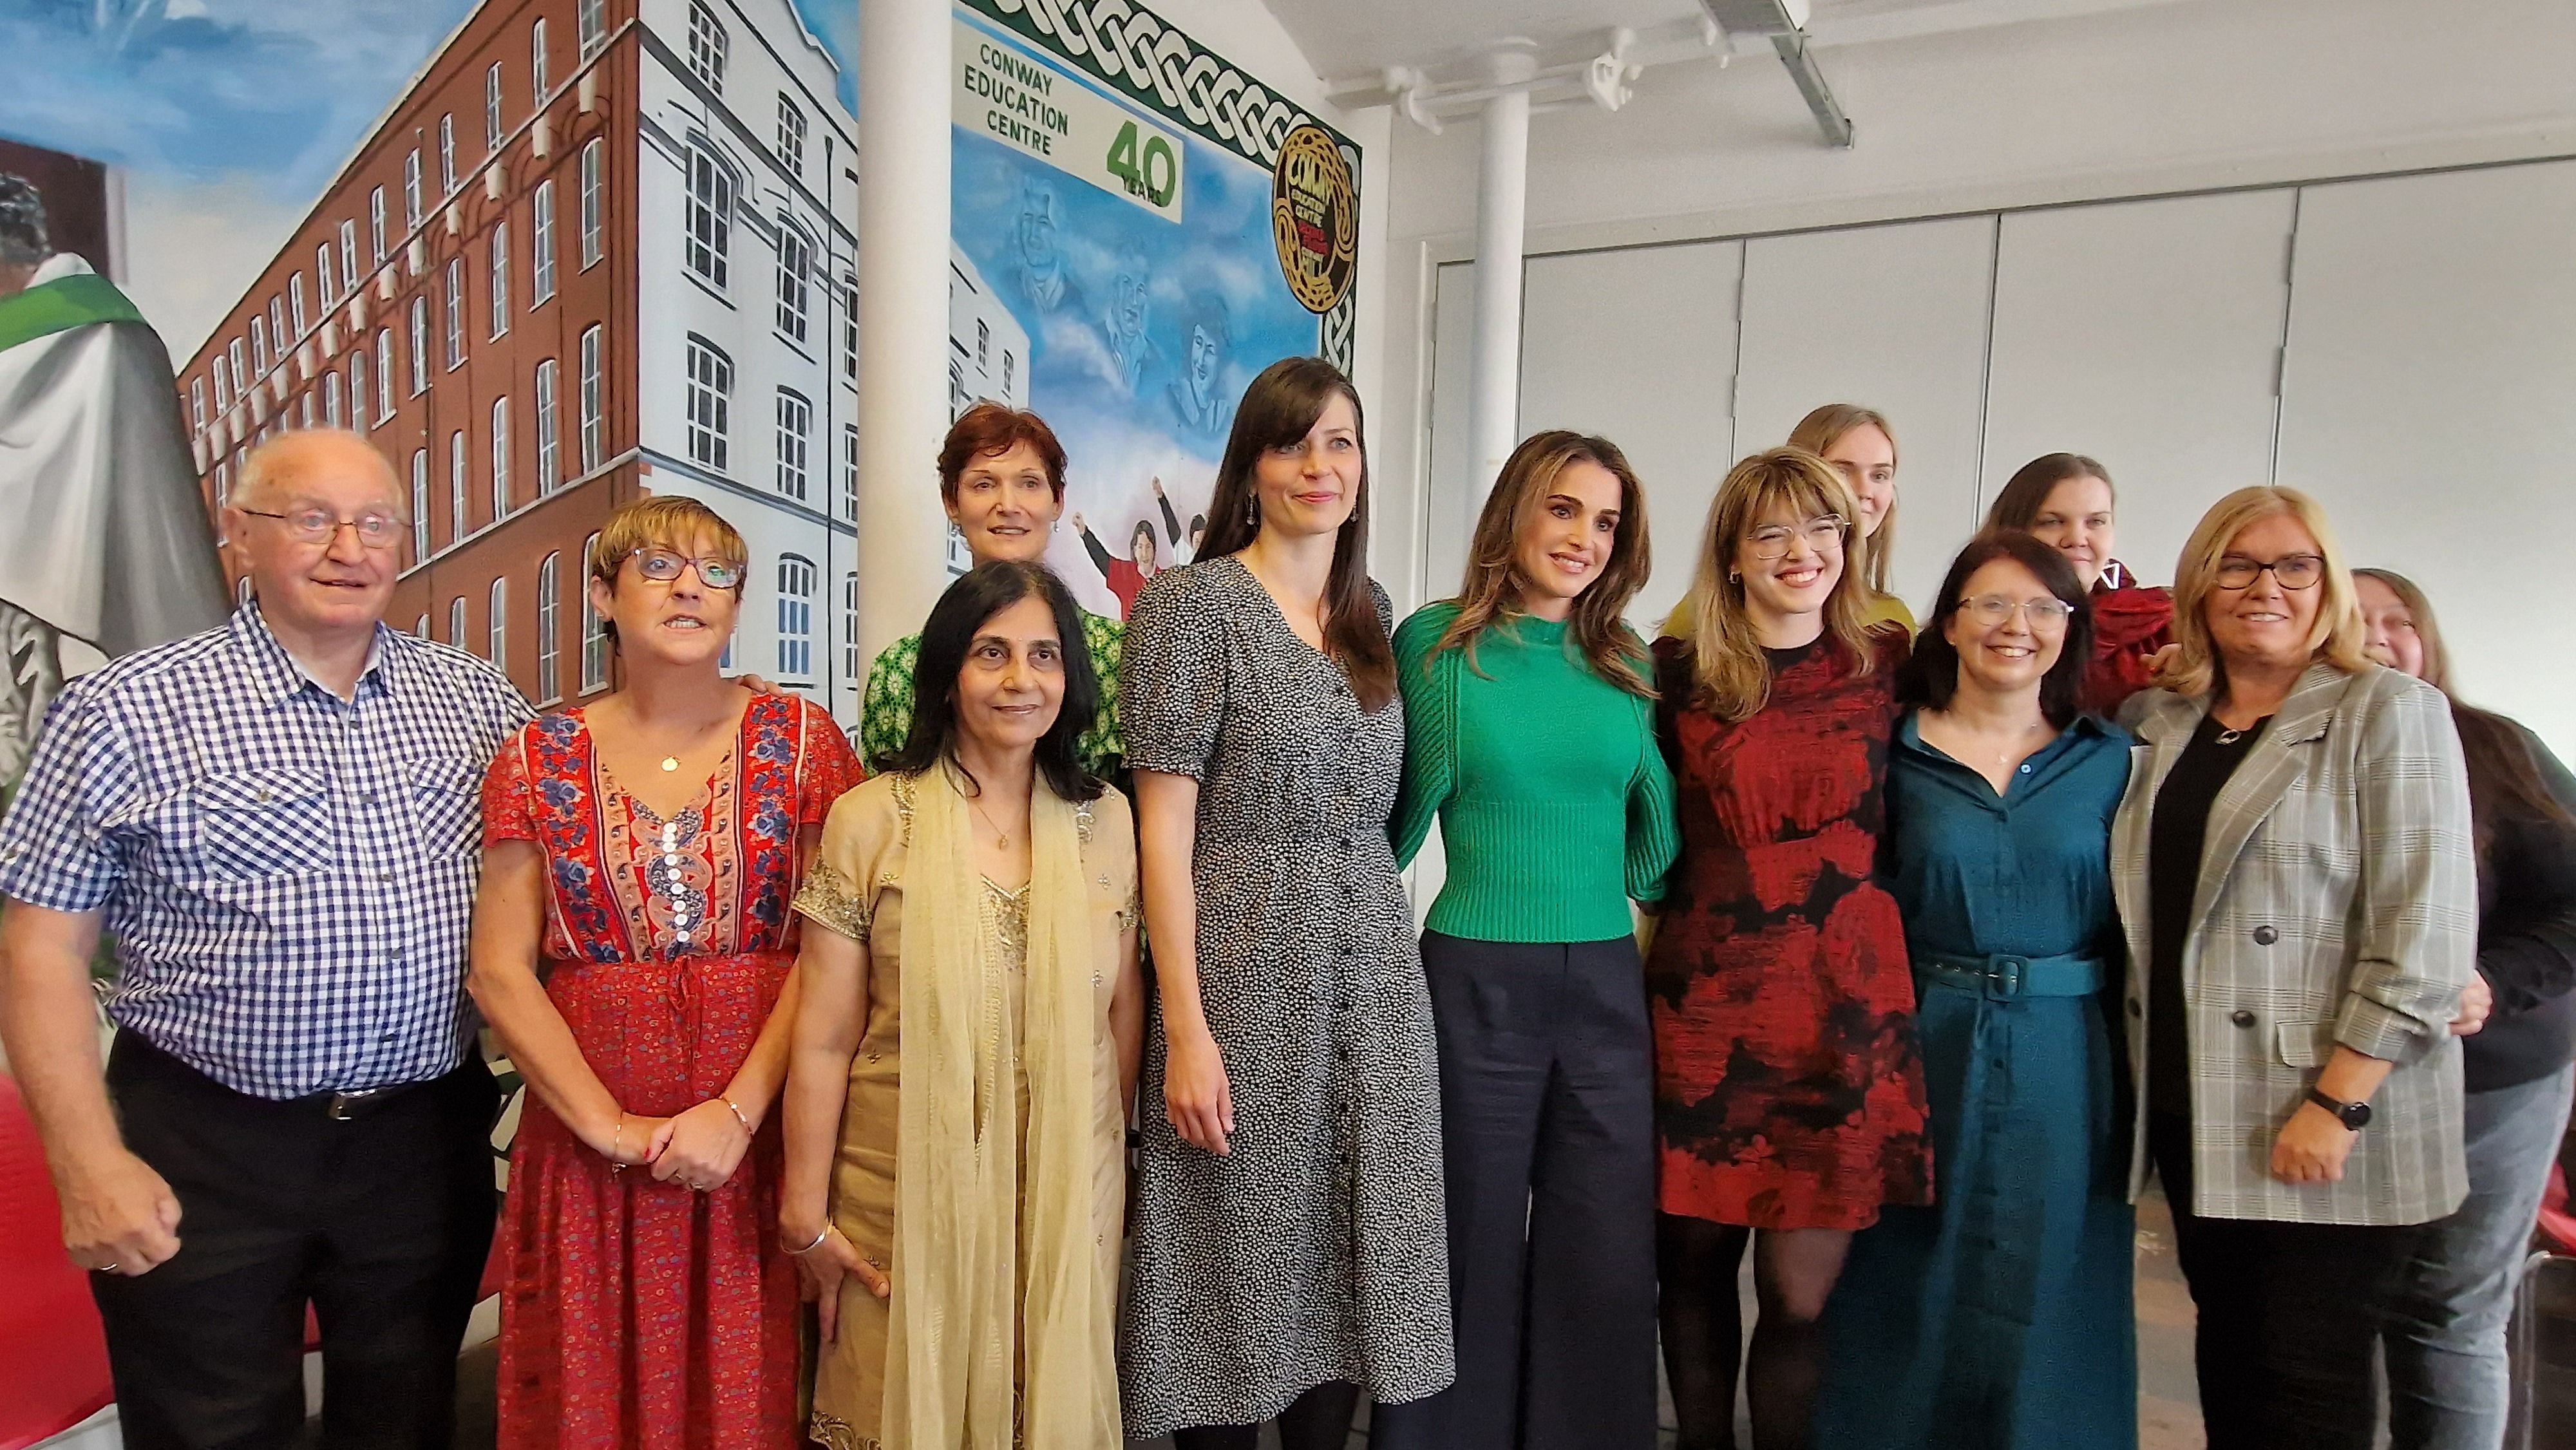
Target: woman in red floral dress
point(634, 952)
point(1789, 1098)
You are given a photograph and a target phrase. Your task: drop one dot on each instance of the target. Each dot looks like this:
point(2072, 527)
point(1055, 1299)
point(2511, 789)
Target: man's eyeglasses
point(663, 566)
point(2298, 571)
point(321, 526)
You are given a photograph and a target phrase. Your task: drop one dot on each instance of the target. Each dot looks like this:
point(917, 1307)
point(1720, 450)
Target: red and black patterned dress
point(1788, 1091)
point(638, 1313)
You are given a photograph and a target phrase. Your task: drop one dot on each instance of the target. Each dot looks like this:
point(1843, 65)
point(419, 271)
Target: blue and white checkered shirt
point(289, 876)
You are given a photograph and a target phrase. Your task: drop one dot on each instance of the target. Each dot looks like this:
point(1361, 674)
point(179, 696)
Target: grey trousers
point(1547, 1115)
point(2448, 1383)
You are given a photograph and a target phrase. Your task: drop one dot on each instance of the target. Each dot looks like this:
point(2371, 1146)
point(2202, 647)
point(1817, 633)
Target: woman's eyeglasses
point(1823, 534)
point(2046, 616)
point(663, 566)
point(2298, 571)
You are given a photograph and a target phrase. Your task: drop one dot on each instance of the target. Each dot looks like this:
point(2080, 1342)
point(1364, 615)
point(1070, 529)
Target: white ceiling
point(1346, 39)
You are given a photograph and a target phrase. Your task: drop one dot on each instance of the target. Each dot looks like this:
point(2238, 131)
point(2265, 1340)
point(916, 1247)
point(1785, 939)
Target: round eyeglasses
point(663, 566)
point(320, 526)
point(2046, 615)
point(2298, 571)
point(1823, 534)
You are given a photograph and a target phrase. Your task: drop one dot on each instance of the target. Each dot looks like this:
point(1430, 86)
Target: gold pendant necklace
point(670, 762)
point(1001, 838)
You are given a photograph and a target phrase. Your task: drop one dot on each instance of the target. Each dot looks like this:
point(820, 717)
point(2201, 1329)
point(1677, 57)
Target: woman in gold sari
point(965, 1052)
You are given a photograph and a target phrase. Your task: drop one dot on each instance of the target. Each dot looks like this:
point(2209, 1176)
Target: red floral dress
point(1788, 1090)
point(638, 1313)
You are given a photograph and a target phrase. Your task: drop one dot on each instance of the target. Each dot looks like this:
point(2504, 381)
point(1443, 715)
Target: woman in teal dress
point(1999, 1318)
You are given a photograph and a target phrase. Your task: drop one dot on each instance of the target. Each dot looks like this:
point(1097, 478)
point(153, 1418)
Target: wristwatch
point(2355, 1116)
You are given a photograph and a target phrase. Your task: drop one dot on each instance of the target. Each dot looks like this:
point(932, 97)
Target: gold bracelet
point(616, 1144)
point(809, 1248)
point(740, 1118)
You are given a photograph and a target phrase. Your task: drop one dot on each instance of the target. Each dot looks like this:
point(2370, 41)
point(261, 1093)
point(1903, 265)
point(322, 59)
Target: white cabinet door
point(2146, 335)
point(1893, 318)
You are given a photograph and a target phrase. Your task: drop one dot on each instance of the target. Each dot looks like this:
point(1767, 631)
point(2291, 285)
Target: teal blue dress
point(2000, 1317)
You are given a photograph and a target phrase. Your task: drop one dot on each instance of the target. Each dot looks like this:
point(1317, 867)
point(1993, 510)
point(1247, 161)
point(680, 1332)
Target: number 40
point(1155, 175)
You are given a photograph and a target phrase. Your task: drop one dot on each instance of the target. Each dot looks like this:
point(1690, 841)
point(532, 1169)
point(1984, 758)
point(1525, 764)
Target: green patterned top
point(885, 710)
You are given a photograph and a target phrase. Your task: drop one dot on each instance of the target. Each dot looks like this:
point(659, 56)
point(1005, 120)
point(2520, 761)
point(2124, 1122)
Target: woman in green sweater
point(1530, 734)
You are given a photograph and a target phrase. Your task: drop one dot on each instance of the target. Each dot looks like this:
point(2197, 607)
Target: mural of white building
point(988, 358)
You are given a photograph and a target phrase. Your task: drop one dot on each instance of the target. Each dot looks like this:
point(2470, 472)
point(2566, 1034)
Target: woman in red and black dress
point(2065, 501)
point(1789, 1098)
point(634, 952)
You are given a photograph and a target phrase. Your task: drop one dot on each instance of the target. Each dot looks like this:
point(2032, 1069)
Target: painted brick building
point(596, 248)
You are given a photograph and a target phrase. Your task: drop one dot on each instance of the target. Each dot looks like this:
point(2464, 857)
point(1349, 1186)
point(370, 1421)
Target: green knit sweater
point(1555, 805)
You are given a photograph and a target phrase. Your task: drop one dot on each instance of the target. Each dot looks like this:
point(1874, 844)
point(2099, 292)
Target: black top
point(2527, 940)
point(2175, 836)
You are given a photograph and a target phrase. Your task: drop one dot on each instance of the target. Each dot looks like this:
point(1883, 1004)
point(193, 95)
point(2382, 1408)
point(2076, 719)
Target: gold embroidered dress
point(999, 1332)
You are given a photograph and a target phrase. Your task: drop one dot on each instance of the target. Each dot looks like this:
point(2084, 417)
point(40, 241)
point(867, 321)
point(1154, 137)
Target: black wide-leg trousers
point(1547, 1114)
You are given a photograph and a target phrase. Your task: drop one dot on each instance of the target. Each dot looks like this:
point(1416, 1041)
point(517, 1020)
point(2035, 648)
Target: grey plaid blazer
point(2337, 903)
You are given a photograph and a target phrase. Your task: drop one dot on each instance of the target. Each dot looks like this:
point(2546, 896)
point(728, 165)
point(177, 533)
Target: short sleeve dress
point(634, 1312)
point(1315, 1250)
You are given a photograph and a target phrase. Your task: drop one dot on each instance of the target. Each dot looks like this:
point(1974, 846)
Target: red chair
point(53, 1355)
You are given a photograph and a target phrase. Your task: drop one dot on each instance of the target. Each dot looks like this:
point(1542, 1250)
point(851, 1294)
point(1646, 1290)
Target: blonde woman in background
point(1861, 445)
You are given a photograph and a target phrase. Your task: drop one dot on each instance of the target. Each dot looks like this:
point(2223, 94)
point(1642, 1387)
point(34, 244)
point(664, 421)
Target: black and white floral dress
point(1316, 1249)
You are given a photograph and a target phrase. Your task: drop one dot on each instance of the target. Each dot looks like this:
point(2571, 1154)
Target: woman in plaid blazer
point(2293, 867)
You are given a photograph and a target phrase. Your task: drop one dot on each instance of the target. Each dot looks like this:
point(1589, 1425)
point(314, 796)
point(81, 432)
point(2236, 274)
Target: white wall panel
point(1454, 492)
point(2147, 335)
point(1638, 346)
point(1894, 318)
point(2430, 402)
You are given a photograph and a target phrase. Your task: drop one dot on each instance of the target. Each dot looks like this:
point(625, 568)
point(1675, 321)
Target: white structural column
point(1502, 206)
point(903, 313)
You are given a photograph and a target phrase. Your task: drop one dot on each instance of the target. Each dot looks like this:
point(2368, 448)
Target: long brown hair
point(1731, 675)
point(1278, 409)
point(2504, 779)
point(2026, 493)
point(1491, 590)
point(1867, 555)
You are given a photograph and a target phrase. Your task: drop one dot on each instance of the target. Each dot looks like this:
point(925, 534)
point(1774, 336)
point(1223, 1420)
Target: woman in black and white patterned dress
point(1289, 1244)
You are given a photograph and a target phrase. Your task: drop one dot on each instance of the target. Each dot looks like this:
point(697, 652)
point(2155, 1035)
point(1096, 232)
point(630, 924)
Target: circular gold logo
point(1315, 218)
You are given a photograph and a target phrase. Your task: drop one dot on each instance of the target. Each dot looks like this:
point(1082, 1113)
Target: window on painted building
point(541, 245)
point(241, 590)
point(500, 459)
point(850, 627)
point(500, 278)
point(455, 487)
point(223, 485)
point(795, 260)
point(376, 222)
point(496, 624)
point(850, 328)
point(549, 645)
point(322, 280)
point(295, 301)
point(241, 375)
point(710, 399)
point(594, 632)
point(197, 405)
point(446, 157)
point(358, 391)
point(455, 313)
point(411, 190)
point(710, 220)
point(331, 400)
point(419, 504)
point(419, 346)
point(708, 45)
point(384, 374)
point(223, 383)
point(420, 627)
point(983, 344)
point(594, 184)
point(492, 109)
point(795, 425)
point(594, 420)
point(592, 17)
point(306, 409)
point(795, 618)
point(537, 71)
point(348, 258)
point(849, 470)
point(724, 661)
point(1010, 367)
point(791, 136)
point(277, 332)
point(958, 397)
point(259, 344)
point(549, 451)
point(456, 621)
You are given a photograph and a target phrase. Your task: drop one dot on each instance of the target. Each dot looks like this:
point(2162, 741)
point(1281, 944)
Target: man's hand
point(119, 1216)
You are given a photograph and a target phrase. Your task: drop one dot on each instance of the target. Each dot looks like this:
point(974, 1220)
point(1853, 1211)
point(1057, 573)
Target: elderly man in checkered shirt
point(278, 821)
